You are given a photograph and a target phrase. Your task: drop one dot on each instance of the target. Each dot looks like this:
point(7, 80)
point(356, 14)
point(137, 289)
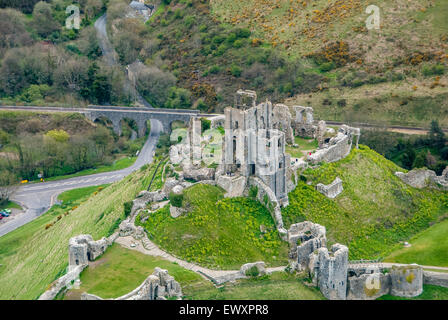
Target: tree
point(436, 135)
point(14, 34)
point(101, 89)
point(8, 185)
point(155, 84)
point(408, 157)
point(420, 161)
point(43, 20)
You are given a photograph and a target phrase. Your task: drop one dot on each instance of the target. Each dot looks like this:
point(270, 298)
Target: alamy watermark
point(262, 147)
point(373, 21)
point(74, 20)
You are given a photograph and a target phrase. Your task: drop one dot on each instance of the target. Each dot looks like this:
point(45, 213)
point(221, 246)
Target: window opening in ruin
point(252, 169)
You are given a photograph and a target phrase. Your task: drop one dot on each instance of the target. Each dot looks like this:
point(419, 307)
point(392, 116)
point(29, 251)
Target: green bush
point(127, 208)
point(252, 272)
point(436, 69)
point(176, 200)
point(327, 66)
point(236, 71)
point(253, 191)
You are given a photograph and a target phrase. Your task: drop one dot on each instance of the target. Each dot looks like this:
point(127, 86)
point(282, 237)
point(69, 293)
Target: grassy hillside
point(121, 270)
point(36, 254)
point(393, 75)
point(375, 211)
point(429, 247)
point(216, 232)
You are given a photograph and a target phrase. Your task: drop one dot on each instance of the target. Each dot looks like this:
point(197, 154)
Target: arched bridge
point(117, 114)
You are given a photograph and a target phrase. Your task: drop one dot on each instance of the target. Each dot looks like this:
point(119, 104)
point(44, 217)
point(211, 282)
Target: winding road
point(38, 198)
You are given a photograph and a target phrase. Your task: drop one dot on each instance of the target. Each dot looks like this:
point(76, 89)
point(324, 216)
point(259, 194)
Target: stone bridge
point(116, 114)
point(140, 116)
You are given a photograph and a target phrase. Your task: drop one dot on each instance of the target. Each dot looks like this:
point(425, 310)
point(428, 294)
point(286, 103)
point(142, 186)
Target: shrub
point(236, 71)
point(437, 69)
point(205, 124)
point(326, 66)
point(252, 272)
point(127, 207)
point(253, 191)
point(176, 199)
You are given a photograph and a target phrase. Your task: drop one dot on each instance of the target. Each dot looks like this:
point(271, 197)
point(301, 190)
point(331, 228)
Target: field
point(121, 270)
point(304, 145)
point(429, 247)
point(216, 232)
point(36, 254)
point(375, 211)
point(277, 286)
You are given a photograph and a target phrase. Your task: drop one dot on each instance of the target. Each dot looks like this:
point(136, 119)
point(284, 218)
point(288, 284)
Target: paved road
point(39, 197)
point(111, 56)
point(36, 199)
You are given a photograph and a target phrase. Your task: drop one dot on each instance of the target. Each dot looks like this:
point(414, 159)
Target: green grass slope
point(36, 254)
point(429, 247)
point(216, 232)
point(121, 270)
point(375, 211)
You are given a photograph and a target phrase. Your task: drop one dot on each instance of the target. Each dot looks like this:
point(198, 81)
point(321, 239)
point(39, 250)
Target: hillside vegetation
point(121, 270)
point(396, 74)
point(429, 247)
point(375, 211)
point(56, 144)
point(35, 254)
point(216, 232)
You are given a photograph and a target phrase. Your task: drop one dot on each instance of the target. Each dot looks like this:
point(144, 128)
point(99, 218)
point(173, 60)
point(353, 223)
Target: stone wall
point(406, 281)
point(435, 278)
point(332, 190)
point(273, 204)
point(304, 238)
point(158, 286)
point(338, 147)
point(423, 178)
point(83, 249)
point(331, 271)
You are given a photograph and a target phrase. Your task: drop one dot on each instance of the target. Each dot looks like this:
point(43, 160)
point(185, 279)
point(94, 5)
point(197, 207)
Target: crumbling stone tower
point(331, 271)
point(254, 144)
point(82, 249)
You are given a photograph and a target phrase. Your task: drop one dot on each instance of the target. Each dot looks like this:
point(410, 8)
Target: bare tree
point(8, 185)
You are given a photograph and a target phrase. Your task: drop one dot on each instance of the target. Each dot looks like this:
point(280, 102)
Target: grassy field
point(33, 256)
point(375, 211)
point(429, 247)
point(277, 286)
point(121, 270)
point(216, 232)
point(304, 144)
point(429, 293)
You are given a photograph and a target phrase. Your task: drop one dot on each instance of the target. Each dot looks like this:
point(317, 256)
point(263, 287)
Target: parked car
point(4, 214)
point(1, 217)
